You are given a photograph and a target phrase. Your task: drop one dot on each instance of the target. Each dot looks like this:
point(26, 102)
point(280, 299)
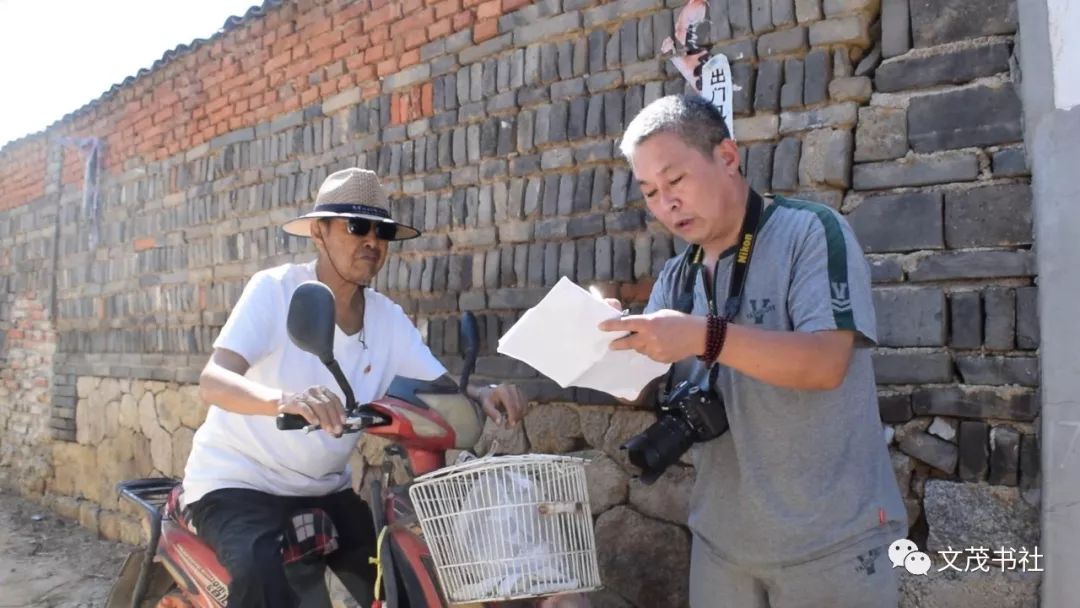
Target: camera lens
point(659, 446)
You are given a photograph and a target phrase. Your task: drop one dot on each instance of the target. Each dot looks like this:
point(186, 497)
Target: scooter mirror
point(311, 320)
point(470, 345)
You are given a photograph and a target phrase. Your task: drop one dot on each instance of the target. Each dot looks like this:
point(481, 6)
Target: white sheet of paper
point(559, 338)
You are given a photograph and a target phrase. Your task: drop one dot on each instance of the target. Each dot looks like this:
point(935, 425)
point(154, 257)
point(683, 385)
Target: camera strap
point(737, 281)
point(695, 258)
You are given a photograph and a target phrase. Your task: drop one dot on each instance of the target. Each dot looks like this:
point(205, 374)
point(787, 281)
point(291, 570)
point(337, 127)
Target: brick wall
point(494, 123)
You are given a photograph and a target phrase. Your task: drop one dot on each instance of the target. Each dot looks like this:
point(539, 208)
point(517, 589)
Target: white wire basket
point(509, 527)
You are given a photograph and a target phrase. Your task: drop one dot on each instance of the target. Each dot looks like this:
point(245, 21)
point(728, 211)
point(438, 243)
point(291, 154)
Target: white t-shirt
point(239, 451)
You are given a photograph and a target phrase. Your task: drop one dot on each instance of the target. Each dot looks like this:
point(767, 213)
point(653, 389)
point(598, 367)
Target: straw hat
point(350, 193)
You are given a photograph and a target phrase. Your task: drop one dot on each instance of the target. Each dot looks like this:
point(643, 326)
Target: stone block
point(739, 17)
point(869, 63)
point(611, 54)
point(534, 95)
point(617, 10)
point(836, 116)
point(594, 118)
point(761, 15)
point(628, 42)
point(961, 515)
point(1023, 371)
point(553, 429)
point(759, 166)
point(935, 22)
point(1027, 318)
point(585, 225)
point(952, 67)
point(586, 259)
point(895, 408)
point(630, 220)
point(1000, 318)
point(582, 197)
point(607, 484)
point(597, 44)
point(881, 134)
point(663, 26)
point(991, 216)
point(973, 265)
point(966, 320)
point(567, 259)
point(756, 128)
point(974, 450)
point(826, 158)
point(633, 101)
point(900, 367)
point(895, 27)
point(656, 581)
point(738, 52)
point(943, 428)
point(876, 224)
point(843, 7)
point(783, 12)
point(1004, 456)
point(885, 270)
point(613, 113)
point(910, 317)
point(807, 10)
point(852, 88)
point(851, 30)
point(791, 94)
point(1006, 404)
point(622, 259)
point(783, 42)
point(1029, 463)
point(1010, 162)
point(935, 452)
point(601, 186)
point(818, 73)
point(666, 499)
point(786, 160)
point(742, 75)
point(515, 298)
point(977, 116)
point(767, 89)
point(916, 171)
point(515, 232)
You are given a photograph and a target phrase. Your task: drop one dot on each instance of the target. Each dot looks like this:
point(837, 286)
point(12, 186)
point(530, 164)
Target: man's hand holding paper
point(560, 337)
point(665, 336)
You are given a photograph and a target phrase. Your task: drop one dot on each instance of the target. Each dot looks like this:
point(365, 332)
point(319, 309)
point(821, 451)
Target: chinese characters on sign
point(718, 87)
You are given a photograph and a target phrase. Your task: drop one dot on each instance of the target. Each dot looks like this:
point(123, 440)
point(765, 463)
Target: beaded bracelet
point(715, 333)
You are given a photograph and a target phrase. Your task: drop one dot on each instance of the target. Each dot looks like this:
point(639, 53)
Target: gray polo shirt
point(801, 473)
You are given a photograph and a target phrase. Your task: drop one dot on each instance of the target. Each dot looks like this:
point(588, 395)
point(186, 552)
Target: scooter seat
point(312, 532)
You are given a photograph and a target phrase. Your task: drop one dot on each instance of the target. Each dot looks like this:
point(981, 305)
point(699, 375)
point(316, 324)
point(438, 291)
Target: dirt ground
point(49, 562)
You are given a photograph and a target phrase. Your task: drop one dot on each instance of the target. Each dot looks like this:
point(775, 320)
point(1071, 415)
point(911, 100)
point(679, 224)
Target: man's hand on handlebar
point(318, 405)
point(503, 403)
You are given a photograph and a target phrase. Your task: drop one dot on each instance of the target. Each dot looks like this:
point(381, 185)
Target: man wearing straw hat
point(244, 476)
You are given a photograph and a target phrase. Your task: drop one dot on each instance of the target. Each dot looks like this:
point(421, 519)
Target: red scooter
point(423, 419)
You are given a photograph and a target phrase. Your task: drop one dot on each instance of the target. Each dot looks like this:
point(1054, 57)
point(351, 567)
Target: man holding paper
point(796, 502)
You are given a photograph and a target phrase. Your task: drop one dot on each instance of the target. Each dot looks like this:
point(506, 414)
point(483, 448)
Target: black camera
point(687, 415)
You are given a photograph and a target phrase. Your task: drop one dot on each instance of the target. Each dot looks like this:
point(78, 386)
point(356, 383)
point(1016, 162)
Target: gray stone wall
point(902, 114)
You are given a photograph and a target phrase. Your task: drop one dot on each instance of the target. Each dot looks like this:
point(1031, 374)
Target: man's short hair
point(691, 117)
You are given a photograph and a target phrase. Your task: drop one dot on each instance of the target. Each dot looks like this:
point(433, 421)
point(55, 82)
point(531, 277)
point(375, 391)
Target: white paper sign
point(716, 86)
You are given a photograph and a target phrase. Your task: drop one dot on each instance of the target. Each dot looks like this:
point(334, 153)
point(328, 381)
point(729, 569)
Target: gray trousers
point(856, 579)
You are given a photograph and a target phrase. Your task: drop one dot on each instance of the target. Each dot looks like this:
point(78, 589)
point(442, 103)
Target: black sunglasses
point(359, 226)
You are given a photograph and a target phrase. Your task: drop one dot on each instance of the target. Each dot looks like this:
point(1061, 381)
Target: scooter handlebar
point(359, 421)
point(291, 422)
